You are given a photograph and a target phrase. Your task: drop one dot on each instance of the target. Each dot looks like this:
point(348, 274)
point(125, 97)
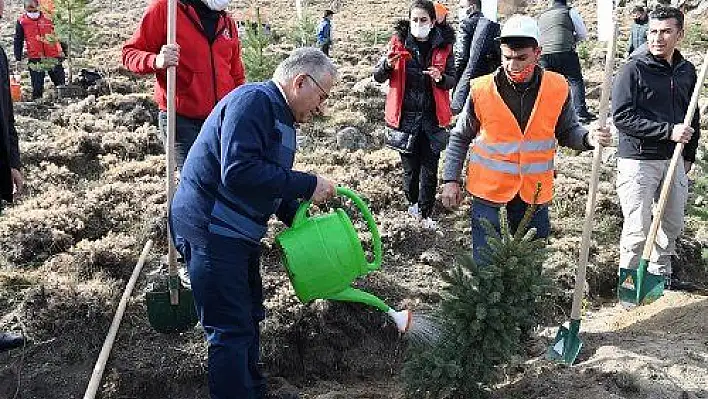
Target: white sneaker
point(429, 224)
point(414, 211)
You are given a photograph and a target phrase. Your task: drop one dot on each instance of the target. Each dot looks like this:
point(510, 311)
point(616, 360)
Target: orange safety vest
point(504, 160)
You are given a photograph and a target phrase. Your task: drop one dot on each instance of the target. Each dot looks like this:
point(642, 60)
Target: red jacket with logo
point(206, 71)
point(38, 37)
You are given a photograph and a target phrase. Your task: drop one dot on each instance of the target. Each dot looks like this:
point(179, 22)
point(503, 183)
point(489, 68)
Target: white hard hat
point(520, 26)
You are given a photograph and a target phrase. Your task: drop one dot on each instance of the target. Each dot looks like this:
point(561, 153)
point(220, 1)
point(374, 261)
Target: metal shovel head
point(637, 288)
point(167, 318)
point(567, 344)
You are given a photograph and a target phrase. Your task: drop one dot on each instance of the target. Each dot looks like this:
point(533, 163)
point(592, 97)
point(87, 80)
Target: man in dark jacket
point(562, 28)
point(638, 33)
point(11, 180)
point(237, 175)
point(477, 52)
point(650, 97)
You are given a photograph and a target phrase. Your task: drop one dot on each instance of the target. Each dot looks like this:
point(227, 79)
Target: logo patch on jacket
point(227, 34)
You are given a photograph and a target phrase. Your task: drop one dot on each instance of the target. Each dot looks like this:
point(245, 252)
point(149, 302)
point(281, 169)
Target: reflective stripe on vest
point(504, 161)
point(512, 168)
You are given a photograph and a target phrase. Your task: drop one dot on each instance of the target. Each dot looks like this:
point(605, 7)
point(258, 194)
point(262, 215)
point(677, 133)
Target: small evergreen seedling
point(259, 65)
point(485, 312)
point(71, 27)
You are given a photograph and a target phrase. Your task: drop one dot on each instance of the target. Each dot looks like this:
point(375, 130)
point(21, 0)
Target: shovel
point(567, 344)
point(637, 286)
point(171, 310)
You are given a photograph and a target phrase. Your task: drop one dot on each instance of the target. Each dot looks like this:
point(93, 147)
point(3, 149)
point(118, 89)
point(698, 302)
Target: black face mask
point(640, 20)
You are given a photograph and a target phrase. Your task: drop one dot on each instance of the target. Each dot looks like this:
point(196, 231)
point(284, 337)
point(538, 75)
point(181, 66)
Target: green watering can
point(323, 257)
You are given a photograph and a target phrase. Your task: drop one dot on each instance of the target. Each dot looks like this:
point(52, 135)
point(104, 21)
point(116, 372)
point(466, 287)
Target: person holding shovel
point(237, 175)
point(517, 117)
point(207, 56)
point(420, 68)
point(650, 96)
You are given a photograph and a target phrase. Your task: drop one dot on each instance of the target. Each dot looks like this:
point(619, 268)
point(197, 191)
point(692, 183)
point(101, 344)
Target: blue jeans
point(515, 211)
point(228, 295)
point(186, 132)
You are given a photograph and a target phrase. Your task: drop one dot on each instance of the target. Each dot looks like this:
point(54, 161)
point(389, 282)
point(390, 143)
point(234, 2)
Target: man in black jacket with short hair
point(477, 53)
point(650, 98)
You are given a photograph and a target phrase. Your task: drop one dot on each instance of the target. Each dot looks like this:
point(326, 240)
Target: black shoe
point(11, 341)
point(672, 283)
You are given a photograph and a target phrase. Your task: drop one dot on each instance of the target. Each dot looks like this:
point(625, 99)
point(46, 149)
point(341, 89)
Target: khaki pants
point(638, 187)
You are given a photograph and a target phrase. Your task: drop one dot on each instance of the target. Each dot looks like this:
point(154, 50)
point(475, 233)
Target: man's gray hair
point(308, 60)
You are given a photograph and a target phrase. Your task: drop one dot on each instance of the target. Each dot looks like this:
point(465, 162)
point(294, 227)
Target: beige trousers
point(638, 187)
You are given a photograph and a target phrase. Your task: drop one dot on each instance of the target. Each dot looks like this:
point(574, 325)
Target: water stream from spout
point(425, 329)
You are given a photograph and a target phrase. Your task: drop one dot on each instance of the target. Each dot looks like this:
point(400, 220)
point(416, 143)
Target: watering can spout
point(354, 295)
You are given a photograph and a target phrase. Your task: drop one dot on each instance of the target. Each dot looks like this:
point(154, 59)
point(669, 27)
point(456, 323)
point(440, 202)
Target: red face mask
point(522, 75)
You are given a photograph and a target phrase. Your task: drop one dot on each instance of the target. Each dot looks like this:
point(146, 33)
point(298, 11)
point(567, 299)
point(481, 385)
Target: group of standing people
point(512, 118)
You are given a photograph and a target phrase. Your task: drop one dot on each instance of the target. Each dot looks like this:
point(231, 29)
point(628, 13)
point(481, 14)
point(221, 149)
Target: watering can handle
point(301, 216)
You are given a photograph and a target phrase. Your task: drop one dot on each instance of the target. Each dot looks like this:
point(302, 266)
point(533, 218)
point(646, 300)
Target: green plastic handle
point(301, 216)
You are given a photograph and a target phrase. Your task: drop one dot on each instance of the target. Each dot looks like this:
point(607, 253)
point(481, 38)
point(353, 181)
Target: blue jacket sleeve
point(286, 211)
point(248, 130)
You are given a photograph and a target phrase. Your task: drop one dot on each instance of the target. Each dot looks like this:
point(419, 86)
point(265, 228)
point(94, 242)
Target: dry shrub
point(48, 176)
point(113, 254)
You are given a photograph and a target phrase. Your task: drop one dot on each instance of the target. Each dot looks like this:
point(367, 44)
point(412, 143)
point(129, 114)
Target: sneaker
point(184, 277)
point(429, 224)
point(414, 211)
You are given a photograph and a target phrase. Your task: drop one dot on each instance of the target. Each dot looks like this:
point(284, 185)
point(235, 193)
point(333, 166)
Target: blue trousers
point(515, 210)
point(228, 294)
point(186, 132)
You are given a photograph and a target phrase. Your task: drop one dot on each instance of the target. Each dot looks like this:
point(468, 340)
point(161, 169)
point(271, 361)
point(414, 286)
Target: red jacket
point(206, 72)
point(397, 82)
point(35, 33)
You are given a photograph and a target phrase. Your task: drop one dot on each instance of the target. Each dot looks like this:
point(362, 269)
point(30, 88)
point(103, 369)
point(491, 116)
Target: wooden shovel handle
point(666, 186)
point(594, 177)
point(171, 131)
point(115, 324)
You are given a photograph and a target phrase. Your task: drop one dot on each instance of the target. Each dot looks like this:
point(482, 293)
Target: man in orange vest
point(37, 31)
point(517, 117)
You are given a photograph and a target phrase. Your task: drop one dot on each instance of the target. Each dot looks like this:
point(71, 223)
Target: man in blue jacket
point(236, 176)
point(324, 32)
point(650, 97)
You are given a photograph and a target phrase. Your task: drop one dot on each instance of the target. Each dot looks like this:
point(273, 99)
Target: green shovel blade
point(639, 287)
point(567, 344)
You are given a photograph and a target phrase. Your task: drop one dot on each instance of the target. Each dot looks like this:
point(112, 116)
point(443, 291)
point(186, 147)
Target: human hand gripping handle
point(168, 57)
point(682, 133)
point(325, 190)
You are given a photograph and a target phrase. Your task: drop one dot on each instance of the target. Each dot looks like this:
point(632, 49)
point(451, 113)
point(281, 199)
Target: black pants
point(186, 131)
point(56, 74)
point(325, 48)
point(420, 174)
point(568, 65)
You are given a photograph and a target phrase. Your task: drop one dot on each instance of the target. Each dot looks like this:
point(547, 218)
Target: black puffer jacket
point(9, 149)
point(649, 97)
point(474, 58)
point(418, 104)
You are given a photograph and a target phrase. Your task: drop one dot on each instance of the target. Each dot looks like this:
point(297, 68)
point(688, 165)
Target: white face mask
point(216, 5)
point(420, 31)
point(33, 14)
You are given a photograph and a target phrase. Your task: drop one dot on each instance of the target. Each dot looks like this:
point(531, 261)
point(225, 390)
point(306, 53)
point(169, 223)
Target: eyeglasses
point(324, 95)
